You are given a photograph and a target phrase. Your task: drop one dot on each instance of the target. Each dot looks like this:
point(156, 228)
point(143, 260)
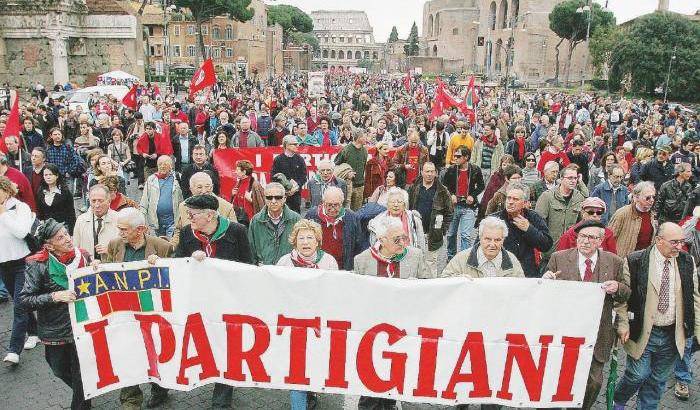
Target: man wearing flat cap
point(46, 291)
point(210, 235)
point(588, 263)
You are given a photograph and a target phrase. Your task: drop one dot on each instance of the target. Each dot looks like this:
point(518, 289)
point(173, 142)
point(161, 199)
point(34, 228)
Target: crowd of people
point(576, 187)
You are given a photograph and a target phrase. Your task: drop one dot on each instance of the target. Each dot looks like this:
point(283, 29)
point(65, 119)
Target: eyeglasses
point(333, 205)
point(193, 214)
point(649, 198)
point(274, 197)
point(673, 242)
point(399, 239)
point(457, 156)
point(592, 212)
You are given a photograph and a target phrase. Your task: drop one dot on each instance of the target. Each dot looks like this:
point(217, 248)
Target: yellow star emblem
point(84, 287)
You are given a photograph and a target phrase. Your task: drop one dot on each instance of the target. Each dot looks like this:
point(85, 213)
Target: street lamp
point(167, 10)
point(668, 72)
point(588, 9)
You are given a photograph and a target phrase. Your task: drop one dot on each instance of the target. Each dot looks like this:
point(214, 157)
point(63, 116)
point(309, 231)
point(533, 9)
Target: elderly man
point(161, 198)
point(291, 165)
point(433, 202)
point(663, 311)
point(34, 171)
point(488, 258)
point(200, 163)
point(633, 225)
point(183, 143)
point(210, 235)
point(342, 234)
point(200, 184)
point(614, 194)
point(98, 226)
point(270, 228)
point(592, 209)
point(17, 157)
point(527, 231)
point(134, 244)
point(674, 194)
point(246, 138)
point(547, 182)
point(46, 291)
point(587, 263)
point(323, 180)
point(355, 154)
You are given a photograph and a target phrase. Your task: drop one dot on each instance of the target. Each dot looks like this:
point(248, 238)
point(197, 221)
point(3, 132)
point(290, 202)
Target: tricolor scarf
point(328, 222)
point(392, 264)
point(59, 268)
point(208, 244)
point(300, 261)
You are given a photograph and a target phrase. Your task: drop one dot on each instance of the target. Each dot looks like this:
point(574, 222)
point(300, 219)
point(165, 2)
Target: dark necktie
point(664, 288)
point(95, 235)
point(588, 274)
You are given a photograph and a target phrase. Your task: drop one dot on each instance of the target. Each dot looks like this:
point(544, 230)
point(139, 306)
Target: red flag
point(471, 99)
point(204, 77)
point(129, 99)
point(407, 81)
point(12, 127)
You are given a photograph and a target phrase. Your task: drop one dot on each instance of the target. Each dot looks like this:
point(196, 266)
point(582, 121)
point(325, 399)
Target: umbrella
point(612, 377)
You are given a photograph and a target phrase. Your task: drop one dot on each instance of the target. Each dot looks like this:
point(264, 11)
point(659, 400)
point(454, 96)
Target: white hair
point(396, 191)
point(491, 222)
point(333, 190)
point(384, 225)
point(132, 216)
point(199, 176)
point(551, 165)
point(324, 162)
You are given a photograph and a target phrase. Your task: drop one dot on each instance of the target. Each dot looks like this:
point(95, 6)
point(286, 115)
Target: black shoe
point(156, 400)
point(4, 300)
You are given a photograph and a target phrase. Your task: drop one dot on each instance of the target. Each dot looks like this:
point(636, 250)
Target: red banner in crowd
point(262, 158)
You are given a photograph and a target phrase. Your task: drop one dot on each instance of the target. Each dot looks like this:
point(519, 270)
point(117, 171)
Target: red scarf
point(239, 200)
point(208, 246)
point(489, 141)
point(521, 147)
point(393, 267)
point(66, 258)
point(327, 221)
point(114, 205)
point(161, 176)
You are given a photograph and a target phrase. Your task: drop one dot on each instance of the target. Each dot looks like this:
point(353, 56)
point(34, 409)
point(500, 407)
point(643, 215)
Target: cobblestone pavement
point(31, 385)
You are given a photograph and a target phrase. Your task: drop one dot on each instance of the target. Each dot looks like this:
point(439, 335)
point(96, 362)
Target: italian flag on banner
point(96, 307)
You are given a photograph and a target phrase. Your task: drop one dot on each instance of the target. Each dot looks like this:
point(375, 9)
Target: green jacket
point(559, 215)
point(268, 244)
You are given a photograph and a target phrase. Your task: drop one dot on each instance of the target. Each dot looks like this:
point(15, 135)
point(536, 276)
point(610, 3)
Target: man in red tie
point(588, 263)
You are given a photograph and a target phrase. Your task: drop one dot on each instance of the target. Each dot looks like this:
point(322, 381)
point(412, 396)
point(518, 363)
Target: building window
point(217, 52)
point(325, 53)
point(191, 51)
point(229, 33)
point(358, 55)
point(207, 53)
point(332, 53)
point(375, 56)
point(366, 55)
point(455, 31)
point(350, 39)
point(190, 30)
point(349, 54)
point(216, 33)
point(229, 53)
point(177, 31)
point(152, 51)
point(342, 39)
point(205, 30)
point(176, 51)
point(341, 55)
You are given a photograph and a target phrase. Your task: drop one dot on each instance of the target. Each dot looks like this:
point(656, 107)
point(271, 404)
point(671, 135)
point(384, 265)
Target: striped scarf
point(208, 244)
point(392, 264)
point(60, 268)
point(300, 261)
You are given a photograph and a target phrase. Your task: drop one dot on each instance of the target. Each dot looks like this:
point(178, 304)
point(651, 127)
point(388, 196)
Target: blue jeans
point(165, 230)
point(683, 368)
point(463, 221)
point(23, 321)
point(648, 375)
point(3, 290)
point(297, 399)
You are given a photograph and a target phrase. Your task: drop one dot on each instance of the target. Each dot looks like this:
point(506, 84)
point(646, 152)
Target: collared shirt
point(184, 148)
point(491, 268)
point(582, 263)
point(668, 318)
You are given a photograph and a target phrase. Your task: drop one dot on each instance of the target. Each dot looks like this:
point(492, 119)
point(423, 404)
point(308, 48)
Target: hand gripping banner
point(183, 324)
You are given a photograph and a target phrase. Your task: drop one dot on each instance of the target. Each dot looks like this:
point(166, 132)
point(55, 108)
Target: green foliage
point(411, 49)
point(603, 42)
point(394, 36)
point(204, 10)
point(644, 53)
point(304, 38)
point(294, 22)
point(569, 24)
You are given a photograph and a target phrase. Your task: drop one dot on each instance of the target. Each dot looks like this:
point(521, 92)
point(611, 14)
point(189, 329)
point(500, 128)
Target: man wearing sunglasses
point(592, 209)
point(586, 262)
point(634, 225)
point(665, 307)
point(270, 228)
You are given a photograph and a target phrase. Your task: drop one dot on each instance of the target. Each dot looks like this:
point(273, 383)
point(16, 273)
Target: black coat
point(476, 182)
point(293, 167)
point(191, 169)
point(233, 246)
point(523, 244)
point(62, 209)
point(656, 172)
point(176, 149)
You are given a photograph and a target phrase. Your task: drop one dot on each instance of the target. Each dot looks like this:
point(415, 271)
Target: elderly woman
point(323, 179)
point(15, 223)
point(247, 194)
point(397, 207)
point(376, 169)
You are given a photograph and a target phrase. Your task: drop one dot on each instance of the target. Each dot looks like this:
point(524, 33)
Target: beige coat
point(412, 265)
point(154, 246)
point(149, 200)
point(83, 231)
point(625, 224)
point(225, 209)
point(465, 263)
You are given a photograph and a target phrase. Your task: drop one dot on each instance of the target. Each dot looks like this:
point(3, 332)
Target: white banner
point(317, 84)
point(183, 324)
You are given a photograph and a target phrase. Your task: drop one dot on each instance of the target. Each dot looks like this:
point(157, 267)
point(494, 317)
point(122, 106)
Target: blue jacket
point(605, 192)
point(352, 235)
point(317, 138)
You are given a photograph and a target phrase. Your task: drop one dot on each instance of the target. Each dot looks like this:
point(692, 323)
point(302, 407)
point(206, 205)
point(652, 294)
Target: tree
point(304, 38)
point(601, 47)
point(645, 51)
point(205, 10)
point(292, 20)
point(411, 49)
point(394, 36)
point(571, 25)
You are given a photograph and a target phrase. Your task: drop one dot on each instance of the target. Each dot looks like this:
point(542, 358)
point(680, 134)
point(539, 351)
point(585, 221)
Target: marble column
point(60, 59)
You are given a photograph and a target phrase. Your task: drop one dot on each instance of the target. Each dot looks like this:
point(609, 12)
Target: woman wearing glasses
point(592, 209)
point(397, 207)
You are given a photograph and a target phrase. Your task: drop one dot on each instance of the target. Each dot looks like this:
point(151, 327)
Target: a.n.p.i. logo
point(140, 290)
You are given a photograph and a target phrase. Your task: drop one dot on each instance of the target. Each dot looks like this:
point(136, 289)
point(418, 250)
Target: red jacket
point(24, 188)
point(547, 156)
point(163, 144)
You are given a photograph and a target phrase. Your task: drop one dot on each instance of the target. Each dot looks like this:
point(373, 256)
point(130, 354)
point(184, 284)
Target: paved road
point(31, 385)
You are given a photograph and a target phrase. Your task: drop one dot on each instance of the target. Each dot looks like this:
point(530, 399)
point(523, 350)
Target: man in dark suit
point(199, 163)
point(588, 263)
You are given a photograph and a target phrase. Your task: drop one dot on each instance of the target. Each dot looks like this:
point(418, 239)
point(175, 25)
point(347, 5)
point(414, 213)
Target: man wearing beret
point(210, 235)
point(46, 291)
point(587, 263)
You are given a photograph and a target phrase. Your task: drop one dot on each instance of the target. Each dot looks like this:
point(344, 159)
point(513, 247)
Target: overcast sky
point(383, 14)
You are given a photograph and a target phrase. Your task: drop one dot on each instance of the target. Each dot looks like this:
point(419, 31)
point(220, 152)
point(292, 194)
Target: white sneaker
point(31, 342)
point(11, 358)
